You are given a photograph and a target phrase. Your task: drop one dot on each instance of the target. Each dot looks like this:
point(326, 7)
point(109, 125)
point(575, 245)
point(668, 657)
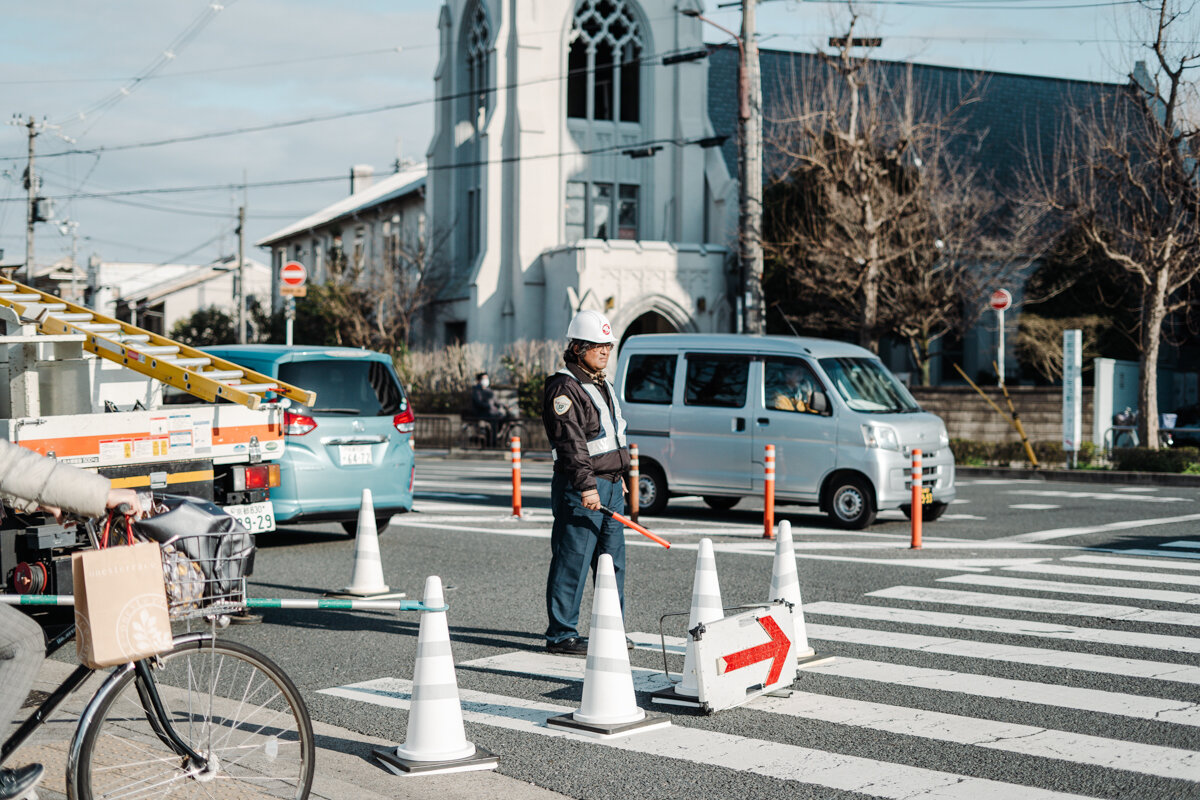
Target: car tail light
point(257, 476)
point(298, 424)
point(405, 421)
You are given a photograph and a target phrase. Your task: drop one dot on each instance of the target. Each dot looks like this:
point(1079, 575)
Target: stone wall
point(968, 416)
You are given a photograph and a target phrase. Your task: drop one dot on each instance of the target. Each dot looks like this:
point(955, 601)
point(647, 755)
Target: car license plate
point(354, 454)
point(255, 517)
point(926, 495)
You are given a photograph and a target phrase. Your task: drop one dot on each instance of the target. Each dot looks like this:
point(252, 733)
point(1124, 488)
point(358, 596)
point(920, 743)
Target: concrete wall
point(968, 416)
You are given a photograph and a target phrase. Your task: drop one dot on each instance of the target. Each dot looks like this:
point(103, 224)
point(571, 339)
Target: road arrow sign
point(775, 650)
point(733, 662)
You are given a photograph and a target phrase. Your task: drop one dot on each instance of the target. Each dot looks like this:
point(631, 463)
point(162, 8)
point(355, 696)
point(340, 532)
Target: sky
point(131, 72)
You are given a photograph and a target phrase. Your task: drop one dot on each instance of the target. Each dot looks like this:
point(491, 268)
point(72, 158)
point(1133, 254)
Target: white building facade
point(567, 172)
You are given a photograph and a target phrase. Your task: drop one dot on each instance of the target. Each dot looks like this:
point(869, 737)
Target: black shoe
point(575, 646)
point(16, 782)
point(245, 618)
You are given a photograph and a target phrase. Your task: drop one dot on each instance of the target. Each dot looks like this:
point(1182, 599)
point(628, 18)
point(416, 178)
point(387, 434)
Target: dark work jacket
point(570, 431)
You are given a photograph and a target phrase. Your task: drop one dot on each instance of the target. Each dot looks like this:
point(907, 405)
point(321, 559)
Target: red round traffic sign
point(293, 273)
point(1001, 299)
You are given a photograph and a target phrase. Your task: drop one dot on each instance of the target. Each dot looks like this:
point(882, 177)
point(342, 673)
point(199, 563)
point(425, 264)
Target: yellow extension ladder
point(194, 371)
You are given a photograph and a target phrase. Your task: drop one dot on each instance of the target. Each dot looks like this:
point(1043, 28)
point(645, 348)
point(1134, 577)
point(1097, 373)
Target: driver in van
point(797, 392)
point(30, 482)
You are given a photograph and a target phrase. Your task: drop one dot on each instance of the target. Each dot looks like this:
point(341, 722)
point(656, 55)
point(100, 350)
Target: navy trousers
point(577, 541)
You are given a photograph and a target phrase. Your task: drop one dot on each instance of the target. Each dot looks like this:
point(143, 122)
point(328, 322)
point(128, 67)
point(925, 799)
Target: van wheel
point(928, 513)
point(851, 503)
point(717, 503)
point(381, 523)
point(652, 490)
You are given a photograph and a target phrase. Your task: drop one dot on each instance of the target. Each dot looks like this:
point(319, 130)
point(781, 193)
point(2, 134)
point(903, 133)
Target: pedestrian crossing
point(1079, 685)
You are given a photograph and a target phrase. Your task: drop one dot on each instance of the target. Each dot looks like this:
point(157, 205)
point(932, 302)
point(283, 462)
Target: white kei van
point(702, 408)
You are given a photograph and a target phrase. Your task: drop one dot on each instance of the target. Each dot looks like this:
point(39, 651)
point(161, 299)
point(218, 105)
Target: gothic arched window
point(604, 62)
point(474, 102)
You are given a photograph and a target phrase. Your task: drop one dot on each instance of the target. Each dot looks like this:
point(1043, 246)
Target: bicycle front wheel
point(228, 702)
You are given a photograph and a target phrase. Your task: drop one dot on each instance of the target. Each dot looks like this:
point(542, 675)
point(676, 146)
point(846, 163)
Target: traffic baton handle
point(628, 523)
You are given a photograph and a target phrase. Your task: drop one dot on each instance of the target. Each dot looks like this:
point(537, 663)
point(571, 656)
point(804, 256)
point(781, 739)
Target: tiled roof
point(1015, 114)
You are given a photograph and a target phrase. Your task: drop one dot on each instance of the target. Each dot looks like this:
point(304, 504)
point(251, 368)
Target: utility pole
point(241, 275)
point(30, 202)
point(751, 186)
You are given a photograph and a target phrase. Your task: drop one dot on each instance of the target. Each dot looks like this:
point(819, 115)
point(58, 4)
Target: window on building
point(576, 210)
point(601, 210)
point(605, 43)
point(627, 212)
point(474, 101)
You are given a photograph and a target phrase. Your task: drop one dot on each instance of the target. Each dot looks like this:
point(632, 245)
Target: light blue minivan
point(359, 435)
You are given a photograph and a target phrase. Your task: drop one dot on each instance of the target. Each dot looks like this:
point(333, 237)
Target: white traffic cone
point(367, 579)
point(785, 585)
point(706, 607)
point(435, 741)
point(609, 706)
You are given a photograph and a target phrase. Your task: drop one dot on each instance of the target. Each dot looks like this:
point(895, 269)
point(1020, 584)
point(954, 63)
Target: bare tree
point(878, 214)
point(1129, 187)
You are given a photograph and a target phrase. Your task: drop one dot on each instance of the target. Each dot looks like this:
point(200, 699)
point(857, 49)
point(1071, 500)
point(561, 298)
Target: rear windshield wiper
point(338, 410)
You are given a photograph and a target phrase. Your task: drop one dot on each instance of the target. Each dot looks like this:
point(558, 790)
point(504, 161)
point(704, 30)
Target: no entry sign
point(1001, 299)
point(292, 277)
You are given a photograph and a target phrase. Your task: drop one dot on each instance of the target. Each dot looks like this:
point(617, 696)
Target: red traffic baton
point(628, 523)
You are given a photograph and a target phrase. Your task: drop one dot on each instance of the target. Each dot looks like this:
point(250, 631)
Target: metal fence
point(450, 431)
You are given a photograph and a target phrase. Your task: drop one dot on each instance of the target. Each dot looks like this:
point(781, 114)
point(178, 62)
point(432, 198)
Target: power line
point(650, 57)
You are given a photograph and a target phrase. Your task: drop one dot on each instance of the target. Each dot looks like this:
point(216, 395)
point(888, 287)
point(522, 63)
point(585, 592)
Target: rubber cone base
point(387, 757)
point(647, 723)
point(670, 697)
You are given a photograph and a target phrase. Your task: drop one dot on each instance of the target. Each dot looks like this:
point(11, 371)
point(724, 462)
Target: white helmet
point(591, 326)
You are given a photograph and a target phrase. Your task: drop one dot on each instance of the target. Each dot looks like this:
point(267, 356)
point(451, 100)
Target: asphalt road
point(1042, 644)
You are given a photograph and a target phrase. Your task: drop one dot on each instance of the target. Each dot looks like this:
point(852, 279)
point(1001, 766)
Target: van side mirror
point(819, 403)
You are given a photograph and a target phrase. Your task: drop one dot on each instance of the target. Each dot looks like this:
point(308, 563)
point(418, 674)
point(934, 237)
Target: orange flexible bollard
point(516, 475)
point(917, 508)
point(769, 493)
point(634, 477)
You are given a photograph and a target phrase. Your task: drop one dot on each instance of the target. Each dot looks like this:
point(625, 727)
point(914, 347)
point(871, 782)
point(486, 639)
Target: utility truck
point(145, 411)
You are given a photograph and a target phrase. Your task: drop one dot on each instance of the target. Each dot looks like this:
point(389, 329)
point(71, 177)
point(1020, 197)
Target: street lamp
point(750, 190)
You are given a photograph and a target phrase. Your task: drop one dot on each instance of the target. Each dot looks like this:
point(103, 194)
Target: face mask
point(484, 382)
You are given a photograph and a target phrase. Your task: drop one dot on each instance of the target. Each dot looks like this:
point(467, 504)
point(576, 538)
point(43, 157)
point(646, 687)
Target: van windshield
point(363, 388)
point(866, 385)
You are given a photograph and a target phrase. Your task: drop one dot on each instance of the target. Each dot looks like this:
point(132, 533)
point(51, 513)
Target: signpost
point(1072, 392)
point(1000, 300)
point(292, 284)
point(741, 657)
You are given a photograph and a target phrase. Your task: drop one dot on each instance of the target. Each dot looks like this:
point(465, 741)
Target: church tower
point(570, 168)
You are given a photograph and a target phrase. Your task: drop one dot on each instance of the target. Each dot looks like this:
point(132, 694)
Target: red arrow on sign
point(776, 649)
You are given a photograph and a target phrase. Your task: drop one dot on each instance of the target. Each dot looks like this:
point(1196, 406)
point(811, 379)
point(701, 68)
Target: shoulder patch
point(562, 404)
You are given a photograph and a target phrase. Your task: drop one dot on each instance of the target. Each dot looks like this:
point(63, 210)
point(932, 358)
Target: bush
point(529, 363)
point(1143, 459)
point(970, 453)
point(439, 381)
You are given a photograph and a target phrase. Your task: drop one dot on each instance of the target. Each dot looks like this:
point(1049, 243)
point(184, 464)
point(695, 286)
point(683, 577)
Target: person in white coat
point(31, 482)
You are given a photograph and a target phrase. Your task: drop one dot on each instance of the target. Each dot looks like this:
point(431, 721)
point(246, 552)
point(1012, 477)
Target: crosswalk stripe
point(1017, 627)
point(1167, 762)
point(711, 748)
point(1044, 694)
point(991, 651)
point(1037, 605)
point(1169, 554)
point(1182, 543)
point(1123, 525)
point(1117, 561)
point(1063, 587)
point(1106, 574)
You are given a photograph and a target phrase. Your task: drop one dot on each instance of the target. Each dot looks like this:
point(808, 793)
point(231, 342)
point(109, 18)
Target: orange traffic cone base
point(671, 697)
point(390, 760)
point(602, 731)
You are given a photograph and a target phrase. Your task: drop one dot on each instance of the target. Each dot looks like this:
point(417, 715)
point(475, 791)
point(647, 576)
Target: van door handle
point(764, 421)
point(739, 424)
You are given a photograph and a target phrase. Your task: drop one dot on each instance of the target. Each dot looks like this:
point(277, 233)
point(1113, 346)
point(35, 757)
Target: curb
point(1081, 476)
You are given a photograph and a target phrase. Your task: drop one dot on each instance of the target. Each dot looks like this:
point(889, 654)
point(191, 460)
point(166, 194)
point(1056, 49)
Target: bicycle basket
point(207, 555)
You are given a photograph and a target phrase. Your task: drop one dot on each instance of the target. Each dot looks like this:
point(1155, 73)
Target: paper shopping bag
point(120, 605)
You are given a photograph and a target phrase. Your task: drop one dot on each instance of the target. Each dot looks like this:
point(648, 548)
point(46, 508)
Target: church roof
point(1015, 114)
point(381, 191)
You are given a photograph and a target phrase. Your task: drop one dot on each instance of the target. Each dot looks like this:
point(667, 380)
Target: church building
point(571, 169)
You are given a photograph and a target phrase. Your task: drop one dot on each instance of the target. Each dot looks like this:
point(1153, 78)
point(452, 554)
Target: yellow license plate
point(926, 495)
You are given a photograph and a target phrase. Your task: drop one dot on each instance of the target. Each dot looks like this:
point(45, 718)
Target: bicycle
point(484, 434)
point(204, 719)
